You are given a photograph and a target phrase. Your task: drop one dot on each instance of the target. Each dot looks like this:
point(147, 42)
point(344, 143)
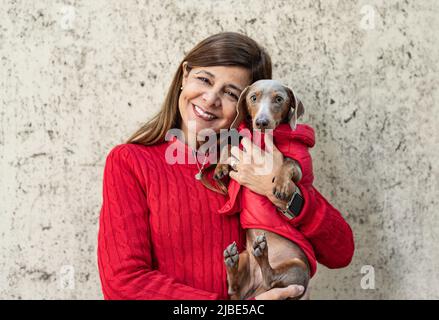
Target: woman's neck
point(190, 139)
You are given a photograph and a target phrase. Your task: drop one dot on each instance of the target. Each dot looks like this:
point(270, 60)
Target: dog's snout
point(262, 122)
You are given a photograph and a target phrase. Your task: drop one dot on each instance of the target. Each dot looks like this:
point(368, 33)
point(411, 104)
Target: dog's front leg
point(283, 188)
point(222, 169)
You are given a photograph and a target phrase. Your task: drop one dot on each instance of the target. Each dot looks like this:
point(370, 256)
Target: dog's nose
point(262, 123)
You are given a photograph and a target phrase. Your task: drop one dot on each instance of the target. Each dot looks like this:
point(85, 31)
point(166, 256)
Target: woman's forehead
point(239, 76)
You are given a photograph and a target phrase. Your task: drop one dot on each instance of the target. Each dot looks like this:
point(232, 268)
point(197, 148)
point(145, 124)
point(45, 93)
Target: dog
point(265, 104)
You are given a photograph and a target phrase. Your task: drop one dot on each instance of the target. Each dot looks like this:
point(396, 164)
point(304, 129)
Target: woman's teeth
point(203, 114)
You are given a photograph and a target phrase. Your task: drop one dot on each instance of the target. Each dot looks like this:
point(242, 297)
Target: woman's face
point(209, 97)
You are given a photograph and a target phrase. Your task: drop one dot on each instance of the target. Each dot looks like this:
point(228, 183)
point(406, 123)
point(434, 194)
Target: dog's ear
point(296, 109)
point(241, 109)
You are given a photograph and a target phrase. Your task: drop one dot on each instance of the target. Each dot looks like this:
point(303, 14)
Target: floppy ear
point(296, 109)
point(241, 109)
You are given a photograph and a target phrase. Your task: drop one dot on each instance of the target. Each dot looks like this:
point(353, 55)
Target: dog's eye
point(279, 99)
point(253, 98)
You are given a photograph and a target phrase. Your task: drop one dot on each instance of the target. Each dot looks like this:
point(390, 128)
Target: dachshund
point(266, 104)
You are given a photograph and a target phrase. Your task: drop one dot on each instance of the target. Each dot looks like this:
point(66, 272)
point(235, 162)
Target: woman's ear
point(186, 71)
point(241, 109)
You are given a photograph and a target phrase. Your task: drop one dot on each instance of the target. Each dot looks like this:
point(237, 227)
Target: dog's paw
point(260, 245)
point(231, 256)
point(283, 188)
point(221, 171)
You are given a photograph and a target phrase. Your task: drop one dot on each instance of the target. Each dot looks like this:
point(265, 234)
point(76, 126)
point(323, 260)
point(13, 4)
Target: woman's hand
point(292, 291)
point(255, 168)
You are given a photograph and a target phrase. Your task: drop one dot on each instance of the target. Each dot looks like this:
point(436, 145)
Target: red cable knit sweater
point(160, 236)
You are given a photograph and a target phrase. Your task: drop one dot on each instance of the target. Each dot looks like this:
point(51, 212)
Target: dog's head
point(268, 103)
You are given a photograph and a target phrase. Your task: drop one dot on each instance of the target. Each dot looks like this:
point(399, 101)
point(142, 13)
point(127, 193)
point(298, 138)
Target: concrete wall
point(78, 77)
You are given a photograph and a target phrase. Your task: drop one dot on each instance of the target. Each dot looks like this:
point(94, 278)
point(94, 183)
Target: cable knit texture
point(160, 236)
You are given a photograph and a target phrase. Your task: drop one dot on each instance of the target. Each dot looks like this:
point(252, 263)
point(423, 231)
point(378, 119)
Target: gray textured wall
point(77, 77)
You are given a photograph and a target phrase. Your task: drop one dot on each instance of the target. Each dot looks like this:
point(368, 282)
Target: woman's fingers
point(237, 153)
point(233, 162)
point(235, 176)
point(247, 144)
point(291, 291)
point(250, 147)
point(269, 144)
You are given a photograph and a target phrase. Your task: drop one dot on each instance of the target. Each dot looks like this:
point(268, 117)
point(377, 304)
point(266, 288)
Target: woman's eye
point(230, 93)
point(279, 99)
point(205, 80)
point(253, 98)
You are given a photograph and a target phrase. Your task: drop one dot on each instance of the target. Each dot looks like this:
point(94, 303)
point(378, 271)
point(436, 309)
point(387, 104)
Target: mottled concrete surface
point(78, 77)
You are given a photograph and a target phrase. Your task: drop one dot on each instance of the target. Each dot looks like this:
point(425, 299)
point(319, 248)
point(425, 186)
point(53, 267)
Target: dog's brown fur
point(266, 103)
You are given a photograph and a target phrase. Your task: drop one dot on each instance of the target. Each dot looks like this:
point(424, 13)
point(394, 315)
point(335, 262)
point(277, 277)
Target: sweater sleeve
point(321, 223)
point(124, 242)
point(326, 229)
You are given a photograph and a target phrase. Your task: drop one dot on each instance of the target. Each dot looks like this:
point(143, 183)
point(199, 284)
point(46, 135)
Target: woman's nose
point(212, 98)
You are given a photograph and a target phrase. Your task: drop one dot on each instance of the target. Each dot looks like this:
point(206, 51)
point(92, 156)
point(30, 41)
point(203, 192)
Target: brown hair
point(222, 49)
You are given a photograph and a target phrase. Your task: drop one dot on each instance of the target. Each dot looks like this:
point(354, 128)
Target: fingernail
point(300, 289)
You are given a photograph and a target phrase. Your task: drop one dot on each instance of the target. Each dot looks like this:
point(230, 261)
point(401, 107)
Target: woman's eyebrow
point(234, 87)
point(207, 72)
point(213, 76)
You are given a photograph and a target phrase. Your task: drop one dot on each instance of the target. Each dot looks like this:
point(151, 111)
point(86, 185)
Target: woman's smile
point(203, 114)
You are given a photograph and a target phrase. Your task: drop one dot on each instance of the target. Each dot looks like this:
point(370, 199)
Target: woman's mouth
point(201, 113)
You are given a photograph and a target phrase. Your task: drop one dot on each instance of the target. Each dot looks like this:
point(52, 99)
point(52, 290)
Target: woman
point(159, 236)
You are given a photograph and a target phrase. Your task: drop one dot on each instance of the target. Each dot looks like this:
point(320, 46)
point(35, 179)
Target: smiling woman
point(160, 234)
point(209, 96)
